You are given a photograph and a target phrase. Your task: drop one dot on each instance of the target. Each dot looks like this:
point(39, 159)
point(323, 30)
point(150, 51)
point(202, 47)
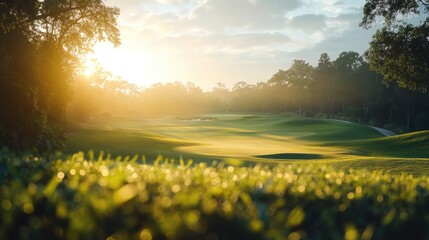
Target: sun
point(136, 65)
point(89, 66)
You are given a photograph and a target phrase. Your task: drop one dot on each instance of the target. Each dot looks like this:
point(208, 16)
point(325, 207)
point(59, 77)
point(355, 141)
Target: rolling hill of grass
point(165, 135)
point(249, 139)
point(253, 177)
point(410, 145)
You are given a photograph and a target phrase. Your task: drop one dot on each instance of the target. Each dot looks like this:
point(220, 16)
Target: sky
point(211, 41)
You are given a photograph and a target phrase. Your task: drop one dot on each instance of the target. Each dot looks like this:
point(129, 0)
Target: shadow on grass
point(307, 156)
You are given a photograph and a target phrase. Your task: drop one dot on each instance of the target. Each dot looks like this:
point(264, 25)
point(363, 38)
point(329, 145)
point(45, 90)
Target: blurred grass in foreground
point(85, 197)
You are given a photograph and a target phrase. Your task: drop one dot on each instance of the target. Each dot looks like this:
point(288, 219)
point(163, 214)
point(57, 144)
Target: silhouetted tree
point(21, 122)
point(323, 88)
point(298, 78)
point(221, 98)
point(400, 50)
point(346, 66)
point(52, 37)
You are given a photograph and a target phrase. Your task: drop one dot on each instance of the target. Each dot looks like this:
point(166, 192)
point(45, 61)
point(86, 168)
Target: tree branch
point(54, 14)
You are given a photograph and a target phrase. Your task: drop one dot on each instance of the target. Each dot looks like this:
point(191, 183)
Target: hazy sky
point(210, 41)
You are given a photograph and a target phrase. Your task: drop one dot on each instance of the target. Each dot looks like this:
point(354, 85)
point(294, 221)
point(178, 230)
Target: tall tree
point(346, 66)
point(20, 121)
point(299, 76)
point(278, 79)
point(323, 86)
point(400, 49)
point(279, 87)
point(54, 36)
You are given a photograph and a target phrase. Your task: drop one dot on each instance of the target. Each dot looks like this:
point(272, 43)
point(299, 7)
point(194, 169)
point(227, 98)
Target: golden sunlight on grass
point(248, 146)
point(238, 139)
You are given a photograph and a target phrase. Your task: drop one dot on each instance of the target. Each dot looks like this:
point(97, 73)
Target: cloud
point(242, 14)
point(352, 39)
point(168, 29)
point(207, 41)
point(308, 22)
point(170, 1)
point(239, 44)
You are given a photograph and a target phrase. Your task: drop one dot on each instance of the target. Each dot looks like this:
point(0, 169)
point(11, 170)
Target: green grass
point(249, 139)
point(330, 130)
point(87, 197)
point(290, 156)
point(122, 142)
point(253, 177)
point(410, 145)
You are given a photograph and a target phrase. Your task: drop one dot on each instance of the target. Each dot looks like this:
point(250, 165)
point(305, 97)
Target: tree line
point(42, 44)
point(345, 88)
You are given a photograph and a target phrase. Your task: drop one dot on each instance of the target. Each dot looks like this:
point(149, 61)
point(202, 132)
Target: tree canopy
point(400, 49)
point(75, 25)
point(41, 45)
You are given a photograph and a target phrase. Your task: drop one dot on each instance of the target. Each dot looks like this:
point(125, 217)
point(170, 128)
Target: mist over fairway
point(246, 139)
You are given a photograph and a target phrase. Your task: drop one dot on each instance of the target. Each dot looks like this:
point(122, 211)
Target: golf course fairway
point(241, 139)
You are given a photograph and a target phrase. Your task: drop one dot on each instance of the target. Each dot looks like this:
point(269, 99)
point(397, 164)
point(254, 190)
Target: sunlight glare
point(140, 67)
point(89, 66)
